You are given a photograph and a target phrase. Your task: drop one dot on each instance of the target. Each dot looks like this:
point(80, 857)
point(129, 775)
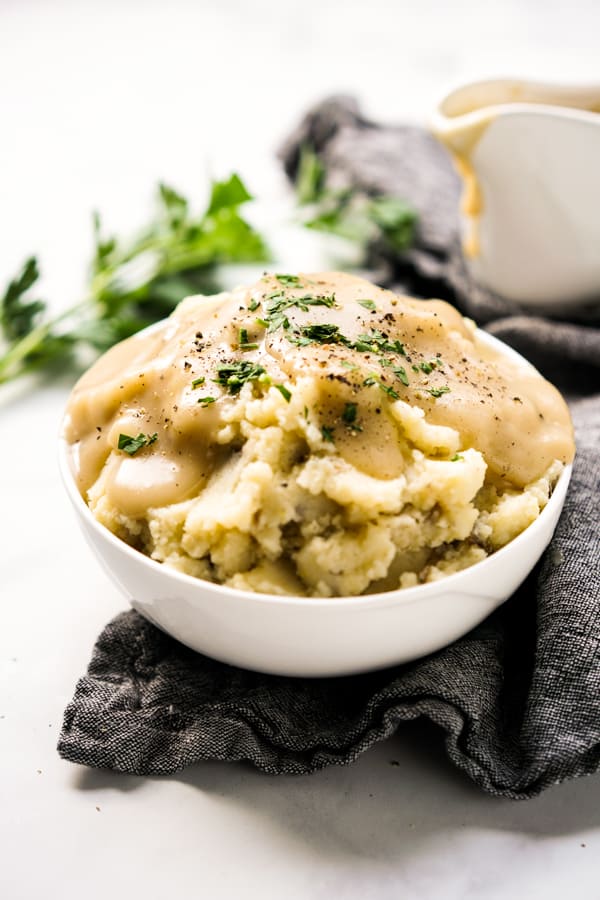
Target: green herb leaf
point(327, 433)
point(386, 388)
point(288, 280)
point(17, 315)
point(277, 304)
point(368, 304)
point(384, 220)
point(228, 194)
point(349, 417)
point(133, 283)
point(287, 395)
point(243, 342)
point(197, 381)
point(234, 376)
point(400, 372)
point(396, 219)
point(456, 457)
point(130, 445)
point(310, 176)
point(323, 334)
point(437, 392)
point(206, 401)
point(349, 414)
point(175, 205)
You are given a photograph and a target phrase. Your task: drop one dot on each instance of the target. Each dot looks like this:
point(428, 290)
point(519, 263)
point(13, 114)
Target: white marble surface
point(97, 101)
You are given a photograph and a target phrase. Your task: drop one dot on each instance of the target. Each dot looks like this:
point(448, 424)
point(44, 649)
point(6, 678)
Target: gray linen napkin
point(517, 700)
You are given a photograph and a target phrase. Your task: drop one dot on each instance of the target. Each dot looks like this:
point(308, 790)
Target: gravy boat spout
point(528, 154)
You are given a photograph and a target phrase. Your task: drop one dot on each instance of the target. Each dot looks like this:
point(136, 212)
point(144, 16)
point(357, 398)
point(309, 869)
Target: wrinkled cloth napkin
point(517, 700)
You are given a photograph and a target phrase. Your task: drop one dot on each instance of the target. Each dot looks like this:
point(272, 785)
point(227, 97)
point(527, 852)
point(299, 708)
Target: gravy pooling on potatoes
point(364, 347)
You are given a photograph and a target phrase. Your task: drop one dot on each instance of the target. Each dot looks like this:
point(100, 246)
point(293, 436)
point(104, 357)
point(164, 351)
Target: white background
point(98, 100)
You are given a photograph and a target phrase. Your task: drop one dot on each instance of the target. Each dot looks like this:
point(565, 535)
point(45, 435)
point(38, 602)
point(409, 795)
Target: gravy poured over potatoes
point(315, 435)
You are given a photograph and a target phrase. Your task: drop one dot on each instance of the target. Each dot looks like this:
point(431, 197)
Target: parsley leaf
point(327, 433)
point(386, 388)
point(285, 393)
point(129, 444)
point(19, 316)
point(323, 334)
point(235, 375)
point(382, 220)
point(132, 283)
point(310, 176)
point(437, 392)
point(349, 414)
point(400, 373)
point(349, 417)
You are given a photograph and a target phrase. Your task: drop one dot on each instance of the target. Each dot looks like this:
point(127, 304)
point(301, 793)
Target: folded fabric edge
point(150, 750)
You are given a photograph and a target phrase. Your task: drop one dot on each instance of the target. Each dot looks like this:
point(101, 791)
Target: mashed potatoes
point(315, 435)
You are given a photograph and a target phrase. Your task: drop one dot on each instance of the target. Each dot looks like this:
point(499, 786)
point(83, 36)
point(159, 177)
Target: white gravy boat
point(529, 155)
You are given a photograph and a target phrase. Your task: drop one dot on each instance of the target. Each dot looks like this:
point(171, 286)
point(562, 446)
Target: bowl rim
point(403, 596)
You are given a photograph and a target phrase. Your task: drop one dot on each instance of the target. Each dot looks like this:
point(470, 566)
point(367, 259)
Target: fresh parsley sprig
point(132, 283)
point(364, 219)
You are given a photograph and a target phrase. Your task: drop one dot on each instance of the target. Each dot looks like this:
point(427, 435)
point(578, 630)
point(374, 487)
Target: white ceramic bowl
point(306, 636)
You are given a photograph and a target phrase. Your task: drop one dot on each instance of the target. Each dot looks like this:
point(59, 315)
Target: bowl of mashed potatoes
point(314, 476)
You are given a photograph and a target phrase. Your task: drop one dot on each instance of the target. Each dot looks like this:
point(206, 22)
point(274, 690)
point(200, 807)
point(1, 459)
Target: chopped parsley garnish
point(236, 374)
point(197, 381)
point(285, 393)
point(206, 401)
point(368, 304)
point(288, 280)
point(327, 433)
point(253, 305)
point(323, 334)
point(131, 445)
point(400, 373)
point(349, 414)
point(389, 391)
point(348, 365)
point(426, 367)
point(456, 457)
point(278, 303)
point(386, 388)
point(243, 342)
point(376, 342)
point(437, 392)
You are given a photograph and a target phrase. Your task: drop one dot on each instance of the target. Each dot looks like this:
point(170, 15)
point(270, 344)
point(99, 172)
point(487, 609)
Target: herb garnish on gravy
point(352, 439)
point(131, 445)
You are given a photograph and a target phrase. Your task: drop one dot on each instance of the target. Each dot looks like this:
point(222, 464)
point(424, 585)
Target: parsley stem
point(22, 348)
